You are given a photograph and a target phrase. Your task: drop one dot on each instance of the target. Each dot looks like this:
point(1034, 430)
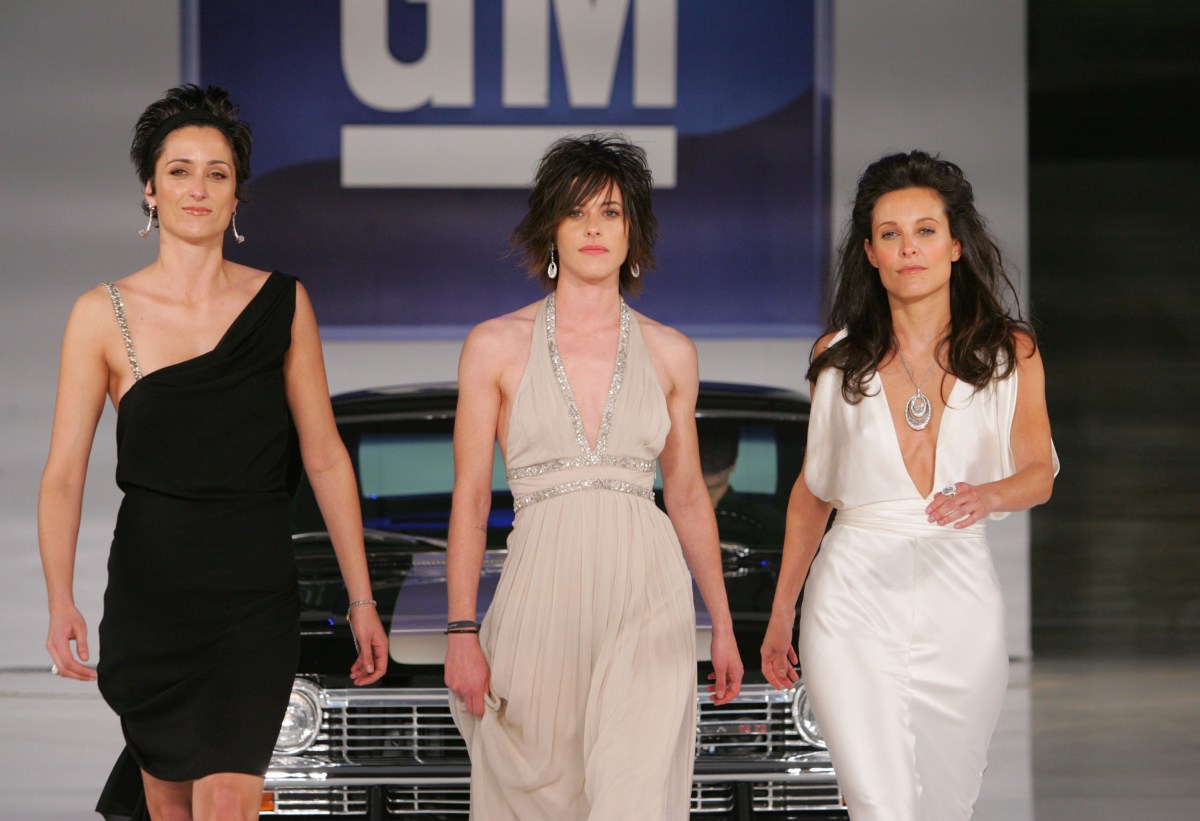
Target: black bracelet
point(463, 626)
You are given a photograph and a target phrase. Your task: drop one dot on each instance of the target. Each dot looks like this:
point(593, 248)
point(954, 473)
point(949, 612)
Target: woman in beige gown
point(902, 640)
point(576, 695)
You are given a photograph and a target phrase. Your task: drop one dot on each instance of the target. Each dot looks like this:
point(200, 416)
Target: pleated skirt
point(591, 642)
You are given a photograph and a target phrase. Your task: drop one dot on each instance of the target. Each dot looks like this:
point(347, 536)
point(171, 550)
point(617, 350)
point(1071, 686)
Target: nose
point(592, 224)
point(199, 187)
point(908, 245)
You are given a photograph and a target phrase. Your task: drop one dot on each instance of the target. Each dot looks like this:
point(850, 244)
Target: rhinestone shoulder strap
point(123, 324)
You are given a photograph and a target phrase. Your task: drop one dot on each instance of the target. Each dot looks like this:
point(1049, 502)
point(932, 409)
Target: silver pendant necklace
point(918, 410)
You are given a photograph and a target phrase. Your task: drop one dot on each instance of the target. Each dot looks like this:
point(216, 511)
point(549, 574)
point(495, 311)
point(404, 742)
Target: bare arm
point(1033, 479)
point(332, 477)
point(691, 511)
point(475, 425)
point(82, 383)
point(806, 518)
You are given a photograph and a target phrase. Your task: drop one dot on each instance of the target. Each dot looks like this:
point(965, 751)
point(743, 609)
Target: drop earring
point(552, 268)
point(238, 238)
point(635, 271)
point(149, 223)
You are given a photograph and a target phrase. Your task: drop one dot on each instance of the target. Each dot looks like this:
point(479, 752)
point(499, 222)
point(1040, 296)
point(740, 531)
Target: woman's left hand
point(372, 640)
point(959, 504)
point(727, 669)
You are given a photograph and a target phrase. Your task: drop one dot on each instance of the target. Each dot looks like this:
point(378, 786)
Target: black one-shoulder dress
point(199, 641)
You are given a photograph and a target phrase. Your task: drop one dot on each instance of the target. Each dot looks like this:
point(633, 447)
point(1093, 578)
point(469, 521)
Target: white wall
point(945, 75)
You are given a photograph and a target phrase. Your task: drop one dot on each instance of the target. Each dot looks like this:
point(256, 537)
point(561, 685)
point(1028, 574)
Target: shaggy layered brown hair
point(572, 171)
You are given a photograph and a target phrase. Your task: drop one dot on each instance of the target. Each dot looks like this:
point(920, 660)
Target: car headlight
point(302, 721)
point(806, 723)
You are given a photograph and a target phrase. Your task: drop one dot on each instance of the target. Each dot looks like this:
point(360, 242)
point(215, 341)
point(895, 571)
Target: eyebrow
point(190, 161)
point(918, 219)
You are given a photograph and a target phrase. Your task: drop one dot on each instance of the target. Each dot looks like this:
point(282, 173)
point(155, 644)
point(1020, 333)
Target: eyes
point(609, 213)
point(183, 171)
point(923, 231)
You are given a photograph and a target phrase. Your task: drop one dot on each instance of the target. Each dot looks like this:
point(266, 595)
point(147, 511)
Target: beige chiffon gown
point(591, 634)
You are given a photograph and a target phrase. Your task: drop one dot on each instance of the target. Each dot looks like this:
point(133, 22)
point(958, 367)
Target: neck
point(584, 304)
point(920, 328)
point(191, 268)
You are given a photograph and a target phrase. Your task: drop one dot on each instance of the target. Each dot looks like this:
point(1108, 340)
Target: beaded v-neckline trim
point(560, 375)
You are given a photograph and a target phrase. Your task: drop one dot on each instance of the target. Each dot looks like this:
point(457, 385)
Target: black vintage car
point(391, 751)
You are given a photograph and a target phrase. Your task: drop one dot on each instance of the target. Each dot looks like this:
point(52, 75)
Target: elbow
point(1044, 487)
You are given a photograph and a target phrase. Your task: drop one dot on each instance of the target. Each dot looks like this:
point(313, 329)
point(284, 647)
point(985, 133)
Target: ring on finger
point(54, 669)
point(950, 490)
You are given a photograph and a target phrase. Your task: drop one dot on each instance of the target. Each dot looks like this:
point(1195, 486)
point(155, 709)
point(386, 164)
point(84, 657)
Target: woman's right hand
point(467, 673)
point(779, 657)
point(67, 625)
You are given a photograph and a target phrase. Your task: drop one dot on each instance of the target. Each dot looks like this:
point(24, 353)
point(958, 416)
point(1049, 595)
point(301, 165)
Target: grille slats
point(416, 726)
point(757, 725)
point(321, 801)
point(778, 796)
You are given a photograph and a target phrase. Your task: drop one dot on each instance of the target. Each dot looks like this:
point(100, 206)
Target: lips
point(198, 212)
point(593, 249)
point(912, 269)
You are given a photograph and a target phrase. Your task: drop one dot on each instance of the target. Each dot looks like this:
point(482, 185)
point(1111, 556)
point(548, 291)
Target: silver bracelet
point(350, 610)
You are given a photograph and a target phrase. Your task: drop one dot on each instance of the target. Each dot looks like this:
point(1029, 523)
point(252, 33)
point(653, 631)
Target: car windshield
point(405, 472)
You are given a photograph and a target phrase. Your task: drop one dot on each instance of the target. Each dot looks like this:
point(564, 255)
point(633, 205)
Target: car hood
point(420, 612)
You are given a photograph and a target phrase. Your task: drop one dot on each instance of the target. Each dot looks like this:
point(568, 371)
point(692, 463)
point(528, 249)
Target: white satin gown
point(902, 636)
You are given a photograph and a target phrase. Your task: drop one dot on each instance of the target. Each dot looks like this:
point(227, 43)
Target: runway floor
point(1079, 740)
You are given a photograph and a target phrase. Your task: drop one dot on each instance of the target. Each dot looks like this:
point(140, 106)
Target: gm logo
point(589, 35)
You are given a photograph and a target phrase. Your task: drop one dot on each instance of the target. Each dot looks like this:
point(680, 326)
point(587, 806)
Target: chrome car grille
point(415, 726)
point(412, 725)
point(783, 796)
point(758, 724)
point(321, 801)
point(383, 728)
point(444, 800)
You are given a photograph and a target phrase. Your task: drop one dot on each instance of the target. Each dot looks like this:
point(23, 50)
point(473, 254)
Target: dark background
point(1114, 181)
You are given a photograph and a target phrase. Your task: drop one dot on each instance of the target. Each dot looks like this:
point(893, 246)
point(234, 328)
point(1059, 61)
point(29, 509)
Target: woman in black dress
point(216, 373)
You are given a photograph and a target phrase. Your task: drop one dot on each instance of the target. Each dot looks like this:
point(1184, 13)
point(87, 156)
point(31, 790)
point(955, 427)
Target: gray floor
point(1078, 741)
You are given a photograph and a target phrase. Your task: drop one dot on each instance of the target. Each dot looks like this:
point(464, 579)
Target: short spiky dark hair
point(572, 171)
point(145, 150)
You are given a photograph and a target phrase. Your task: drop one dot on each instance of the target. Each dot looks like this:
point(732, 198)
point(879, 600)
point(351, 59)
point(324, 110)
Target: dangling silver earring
point(149, 223)
point(238, 238)
point(552, 268)
point(635, 271)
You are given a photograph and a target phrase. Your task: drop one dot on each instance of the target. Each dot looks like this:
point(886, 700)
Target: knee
point(168, 809)
point(229, 802)
point(227, 806)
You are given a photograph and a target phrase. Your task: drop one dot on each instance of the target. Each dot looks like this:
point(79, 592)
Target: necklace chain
point(908, 371)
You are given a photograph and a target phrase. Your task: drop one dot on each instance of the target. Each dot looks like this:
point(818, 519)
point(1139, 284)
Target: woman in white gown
point(902, 640)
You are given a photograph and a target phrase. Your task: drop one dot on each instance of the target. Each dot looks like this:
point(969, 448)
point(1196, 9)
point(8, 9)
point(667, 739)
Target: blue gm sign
point(395, 141)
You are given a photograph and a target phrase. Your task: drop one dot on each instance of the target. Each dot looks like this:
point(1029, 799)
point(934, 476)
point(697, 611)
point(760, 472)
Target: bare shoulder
point(666, 342)
point(503, 330)
point(94, 308)
point(1029, 359)
point(502, 338)
point(1026, 347)
point(824, 342)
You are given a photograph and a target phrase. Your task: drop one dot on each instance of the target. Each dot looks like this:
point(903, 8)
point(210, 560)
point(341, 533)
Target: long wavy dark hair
point(981, 345)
